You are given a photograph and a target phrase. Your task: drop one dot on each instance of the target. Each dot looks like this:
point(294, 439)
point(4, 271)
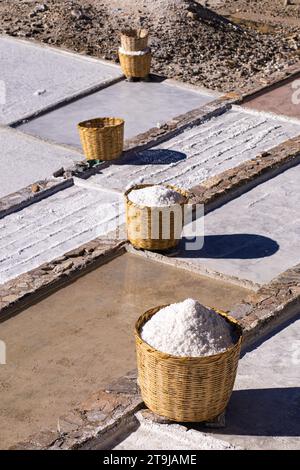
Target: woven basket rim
point(152, 311)
point(184, 193)
point(83, 124)
point(136, 33)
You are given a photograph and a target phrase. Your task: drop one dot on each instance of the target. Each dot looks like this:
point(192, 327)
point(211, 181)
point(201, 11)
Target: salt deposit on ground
point(188, 329)
point(155, 196)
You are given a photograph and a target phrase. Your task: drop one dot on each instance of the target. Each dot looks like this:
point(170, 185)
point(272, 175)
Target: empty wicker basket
point(144, 222)
point(136, 66)
point(134, 39)
point(186, 389)
point(102, 138)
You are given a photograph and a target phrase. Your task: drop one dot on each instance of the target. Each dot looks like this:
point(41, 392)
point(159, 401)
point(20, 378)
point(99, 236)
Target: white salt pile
point(188, 329)
point(155, 196)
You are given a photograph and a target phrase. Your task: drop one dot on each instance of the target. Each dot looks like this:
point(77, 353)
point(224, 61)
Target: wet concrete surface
point(264, 411)
point(81, 338)
point(34, 77)
point(284, 99)
point(141, 104)
point(254, 237)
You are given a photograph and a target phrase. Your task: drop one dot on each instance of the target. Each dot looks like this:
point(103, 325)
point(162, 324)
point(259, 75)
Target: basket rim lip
point(183, 192)
point(82, 124)
point(125, 31)
point(164, 355)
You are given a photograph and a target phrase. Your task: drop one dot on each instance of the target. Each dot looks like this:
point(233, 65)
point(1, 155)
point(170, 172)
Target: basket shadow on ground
point(273, 412)
point(264, 412)
point(234, 246)
point(153, 157)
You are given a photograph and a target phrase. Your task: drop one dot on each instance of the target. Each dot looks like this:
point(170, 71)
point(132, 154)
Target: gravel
point(189, 42)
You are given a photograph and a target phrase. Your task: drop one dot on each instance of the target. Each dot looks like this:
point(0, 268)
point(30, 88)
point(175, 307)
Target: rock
point(218, 422)
point(60, 268)
point(35, 188)
point(10, 298)
point(192, 15)
point(77, 14)
point(41, 8)
point(59, 173)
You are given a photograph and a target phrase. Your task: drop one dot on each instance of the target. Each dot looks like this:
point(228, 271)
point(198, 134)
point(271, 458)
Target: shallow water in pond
point(80, 338)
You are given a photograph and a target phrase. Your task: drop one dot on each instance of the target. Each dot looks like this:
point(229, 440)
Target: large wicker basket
point(134, 39)
point(186, 389)
point(135, 66)
point(102, 138)
point(140, 222)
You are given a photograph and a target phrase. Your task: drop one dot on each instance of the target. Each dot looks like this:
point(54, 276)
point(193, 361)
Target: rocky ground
point(189, 41)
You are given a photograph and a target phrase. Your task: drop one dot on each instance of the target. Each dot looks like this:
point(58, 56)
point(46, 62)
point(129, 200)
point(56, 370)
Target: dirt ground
point(189, 42)
point(79, 339)
point(271, 8)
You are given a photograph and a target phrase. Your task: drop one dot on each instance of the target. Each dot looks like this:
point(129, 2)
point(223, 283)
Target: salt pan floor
point(142, 105)
point(34, 77)
point(256, 236)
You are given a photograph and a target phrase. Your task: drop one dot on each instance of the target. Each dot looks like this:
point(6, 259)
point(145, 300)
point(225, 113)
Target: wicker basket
point(186, 389)
point(135, 66)
point(140, 222)
point(102, 138)
point(134, 39)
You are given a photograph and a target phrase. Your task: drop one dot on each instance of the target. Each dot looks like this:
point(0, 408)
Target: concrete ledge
point(273, 305)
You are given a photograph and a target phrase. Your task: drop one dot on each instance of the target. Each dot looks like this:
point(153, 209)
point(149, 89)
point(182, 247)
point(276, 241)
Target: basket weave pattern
point(134, 39)
point(186, 389)
point(102, 138)
point(135, 66)
point(139, 221)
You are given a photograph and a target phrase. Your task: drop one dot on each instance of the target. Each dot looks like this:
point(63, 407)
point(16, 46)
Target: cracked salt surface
point(203, 151)
point(50, 228)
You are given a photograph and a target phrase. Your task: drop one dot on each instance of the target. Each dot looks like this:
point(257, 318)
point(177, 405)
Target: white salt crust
point(155, 196)
point(188, 329)
point(142, 52)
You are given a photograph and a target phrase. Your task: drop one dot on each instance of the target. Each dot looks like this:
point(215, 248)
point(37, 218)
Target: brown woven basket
point(139, 221)
point(102, 138)
point(134, 39)
point(135, 66)
point(186, 389)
